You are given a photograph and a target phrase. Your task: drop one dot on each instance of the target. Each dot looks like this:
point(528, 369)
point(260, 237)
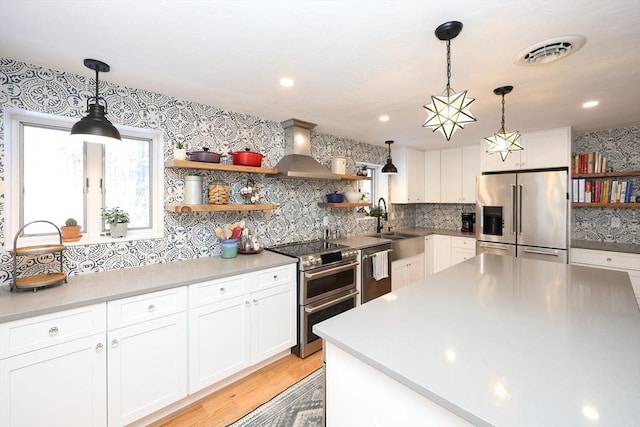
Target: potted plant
point(179, 152)
point(70, 230)
point(118, 220)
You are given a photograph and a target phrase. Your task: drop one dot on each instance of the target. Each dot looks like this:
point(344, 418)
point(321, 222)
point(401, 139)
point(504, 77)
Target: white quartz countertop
point(93, 288)
point(504, 341)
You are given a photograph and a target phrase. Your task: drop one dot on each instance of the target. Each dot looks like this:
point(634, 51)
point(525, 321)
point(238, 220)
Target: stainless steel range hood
point(297, 161)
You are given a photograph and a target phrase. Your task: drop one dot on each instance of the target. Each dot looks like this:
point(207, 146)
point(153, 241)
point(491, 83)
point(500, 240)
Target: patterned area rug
point(298, 406)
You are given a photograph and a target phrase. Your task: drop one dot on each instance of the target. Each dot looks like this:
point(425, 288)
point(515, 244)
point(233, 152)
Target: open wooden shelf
point(354, 178)
point(344, 205)
point(219, 208)
point(605, 205)
point(606, 174)
point(173, 163)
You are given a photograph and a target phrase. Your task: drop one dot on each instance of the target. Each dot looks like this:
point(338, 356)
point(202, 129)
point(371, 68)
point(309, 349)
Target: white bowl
point(352, 196)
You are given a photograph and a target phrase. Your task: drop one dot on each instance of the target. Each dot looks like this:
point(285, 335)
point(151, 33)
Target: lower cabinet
point(252, 319)
point(406, 271)
point(450, 250)
point(64, 385)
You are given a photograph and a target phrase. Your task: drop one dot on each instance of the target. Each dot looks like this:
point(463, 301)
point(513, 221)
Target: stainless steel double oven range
point(327, 275)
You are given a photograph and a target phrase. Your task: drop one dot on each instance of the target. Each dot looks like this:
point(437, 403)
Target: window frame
point(94, 234)
point(380, 188)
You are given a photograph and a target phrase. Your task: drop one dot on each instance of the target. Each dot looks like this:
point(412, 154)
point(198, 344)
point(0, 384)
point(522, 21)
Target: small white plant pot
point(118, 229)
point(180, 153)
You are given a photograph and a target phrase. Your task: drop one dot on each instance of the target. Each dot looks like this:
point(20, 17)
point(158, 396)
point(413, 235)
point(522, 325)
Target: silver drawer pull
point(53, 331)
point(608, 259)
point(151, 308)
point(114, 343)
point(99, 347)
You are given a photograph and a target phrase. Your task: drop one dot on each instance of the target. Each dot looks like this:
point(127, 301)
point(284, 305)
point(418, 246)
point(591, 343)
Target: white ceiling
point(352, 61)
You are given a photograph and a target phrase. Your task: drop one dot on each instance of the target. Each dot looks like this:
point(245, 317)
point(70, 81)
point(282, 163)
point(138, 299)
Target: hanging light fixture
point(389, 168)
point(503, 141)
point(95, 127)
point(451, 110)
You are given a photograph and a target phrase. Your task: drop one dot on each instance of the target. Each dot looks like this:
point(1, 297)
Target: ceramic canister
point(229, 248)
point(339, 165)
point(193, 190)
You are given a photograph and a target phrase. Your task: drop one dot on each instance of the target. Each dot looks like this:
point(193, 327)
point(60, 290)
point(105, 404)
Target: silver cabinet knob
point(608, 259)
point(53, 331)
point(247, 303)
point(255, 302)
point(275, 277)
point(151, 308)
point(115, 343)
point(99, 347)
point(223, 290)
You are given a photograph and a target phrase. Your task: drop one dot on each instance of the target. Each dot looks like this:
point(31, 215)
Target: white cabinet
point(147, 357)
point(612, 261)
point(428, 255)
point(407, 186)
point(432, 176)
point(542, 149)
point(450, 250)
point(407, 270)
point(459, 168)
point(238, 321)
point(50, 362)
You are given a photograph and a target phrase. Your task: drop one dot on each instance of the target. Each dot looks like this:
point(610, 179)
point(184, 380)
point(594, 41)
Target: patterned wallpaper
point(39, 89)
point(621, 147)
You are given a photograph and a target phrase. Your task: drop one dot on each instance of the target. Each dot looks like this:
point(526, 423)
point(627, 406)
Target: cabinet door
point(415, 184)
point(451, 176)
point(219, 341)
point(398, 275)
point(273, 321)
point(470, 170)
point(415, 268)
point(432, 176)
point(546, 148)
point(147, 367)
point(407, 186)
point(441, 252)
point(428, 256)
point(62, 385)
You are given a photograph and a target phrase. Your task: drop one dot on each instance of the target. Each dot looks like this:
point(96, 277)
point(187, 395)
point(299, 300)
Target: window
point(53, 177)
point(375, 188)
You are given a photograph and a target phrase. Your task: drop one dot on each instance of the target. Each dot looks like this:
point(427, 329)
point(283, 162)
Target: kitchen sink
point(392, 235)
point(403, 245)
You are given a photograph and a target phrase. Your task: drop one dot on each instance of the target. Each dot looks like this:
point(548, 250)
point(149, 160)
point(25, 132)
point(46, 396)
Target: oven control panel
point(314, 261)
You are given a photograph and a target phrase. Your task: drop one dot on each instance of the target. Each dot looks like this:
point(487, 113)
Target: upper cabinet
point(407, 186)
point(459, 168)
point(432, 176)
point(541, 149)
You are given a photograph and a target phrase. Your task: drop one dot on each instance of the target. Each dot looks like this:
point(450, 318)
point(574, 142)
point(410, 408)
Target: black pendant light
point(95, 127)
point(389, 168)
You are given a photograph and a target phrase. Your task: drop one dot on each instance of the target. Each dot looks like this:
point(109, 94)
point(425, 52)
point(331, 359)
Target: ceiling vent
point(550, 50)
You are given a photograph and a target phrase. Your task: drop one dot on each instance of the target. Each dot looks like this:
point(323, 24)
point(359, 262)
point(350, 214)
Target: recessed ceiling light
point(286, 82)
point(384, 118)
point(590, 104)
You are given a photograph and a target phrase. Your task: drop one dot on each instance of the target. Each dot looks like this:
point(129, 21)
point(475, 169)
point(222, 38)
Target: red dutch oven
point(204, 156)
point(246, 158)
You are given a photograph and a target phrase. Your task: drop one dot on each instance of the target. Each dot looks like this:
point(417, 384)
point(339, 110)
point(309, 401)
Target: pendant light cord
point(503, 111)
point(448, 66)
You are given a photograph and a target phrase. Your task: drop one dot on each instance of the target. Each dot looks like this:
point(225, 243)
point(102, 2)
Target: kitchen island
point(492, 341)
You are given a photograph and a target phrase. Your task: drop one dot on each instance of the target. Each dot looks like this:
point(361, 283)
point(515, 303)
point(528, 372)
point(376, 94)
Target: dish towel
point(381, 265)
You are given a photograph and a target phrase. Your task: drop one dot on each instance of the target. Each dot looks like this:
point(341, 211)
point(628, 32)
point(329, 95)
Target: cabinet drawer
point(128, 311)
point(606, 259)
point(218, 290)
point(274, 276)
point(463, 243)
point(21, 336)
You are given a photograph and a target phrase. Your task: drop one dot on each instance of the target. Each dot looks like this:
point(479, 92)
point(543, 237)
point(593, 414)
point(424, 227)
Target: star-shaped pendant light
point(449, 111)
point(503, 142)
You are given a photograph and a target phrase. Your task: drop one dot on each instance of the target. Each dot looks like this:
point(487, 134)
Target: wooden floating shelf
point(344, 205)
point(607, 174)
point(354, 178)
point(38, 250)
point(219, 208)
point(39, 280)
point(605, 205)
point(173, 163)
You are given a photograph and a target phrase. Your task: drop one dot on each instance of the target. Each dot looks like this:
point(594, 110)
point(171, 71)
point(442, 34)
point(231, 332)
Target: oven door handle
point(330, 271)
point(310, 309)
point(375, 253)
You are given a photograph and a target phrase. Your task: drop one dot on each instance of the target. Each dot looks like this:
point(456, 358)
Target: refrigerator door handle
point(520, 210)
point(490, 246)
point(551, 252)
point(514, 211)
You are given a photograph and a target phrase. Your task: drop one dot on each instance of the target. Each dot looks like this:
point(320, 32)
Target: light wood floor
point(231, 403)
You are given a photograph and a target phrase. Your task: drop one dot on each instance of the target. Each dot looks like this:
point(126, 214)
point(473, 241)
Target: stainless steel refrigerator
point(523, 214)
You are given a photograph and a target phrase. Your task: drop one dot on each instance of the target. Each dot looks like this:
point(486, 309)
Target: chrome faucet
point(379, 225)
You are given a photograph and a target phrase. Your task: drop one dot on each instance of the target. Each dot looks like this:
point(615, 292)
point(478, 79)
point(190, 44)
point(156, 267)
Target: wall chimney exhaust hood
point(297, 161)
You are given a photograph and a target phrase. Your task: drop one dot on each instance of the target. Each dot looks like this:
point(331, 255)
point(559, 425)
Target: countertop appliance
point(372, 286)
point(523, 214)
point(327, 274)
point(468, 221)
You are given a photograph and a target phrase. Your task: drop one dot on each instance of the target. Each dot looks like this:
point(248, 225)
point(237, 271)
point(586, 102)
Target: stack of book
point(588, 163)
point(603, 190)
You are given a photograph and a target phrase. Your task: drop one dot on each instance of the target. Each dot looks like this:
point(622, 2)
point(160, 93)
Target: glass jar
point(218, 193)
